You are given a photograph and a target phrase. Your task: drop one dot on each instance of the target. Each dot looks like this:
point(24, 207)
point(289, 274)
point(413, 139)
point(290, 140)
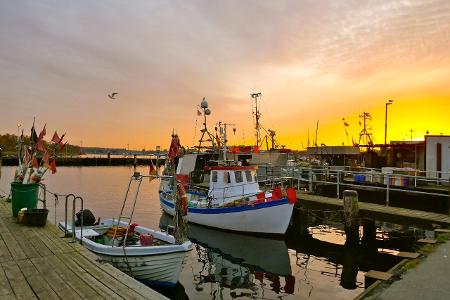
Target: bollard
point(351, 214)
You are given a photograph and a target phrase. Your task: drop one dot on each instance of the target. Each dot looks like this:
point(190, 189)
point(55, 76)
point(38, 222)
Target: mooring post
point(310, 180)
point(351, 214)
point(134, 160)
point(387, 189)
point(337, 181)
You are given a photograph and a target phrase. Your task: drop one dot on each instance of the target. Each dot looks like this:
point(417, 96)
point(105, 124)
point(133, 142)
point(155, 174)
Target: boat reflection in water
point(244, 265)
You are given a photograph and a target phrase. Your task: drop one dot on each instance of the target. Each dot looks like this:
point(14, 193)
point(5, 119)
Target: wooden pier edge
point(371, 208)
point(37, 263)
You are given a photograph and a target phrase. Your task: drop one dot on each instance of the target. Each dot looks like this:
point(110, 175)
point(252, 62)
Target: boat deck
point(37, 263)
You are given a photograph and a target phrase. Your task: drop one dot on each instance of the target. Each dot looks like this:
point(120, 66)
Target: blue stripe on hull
point(224, 210)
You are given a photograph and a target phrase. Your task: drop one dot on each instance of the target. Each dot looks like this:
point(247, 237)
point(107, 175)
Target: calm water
point(311, 263)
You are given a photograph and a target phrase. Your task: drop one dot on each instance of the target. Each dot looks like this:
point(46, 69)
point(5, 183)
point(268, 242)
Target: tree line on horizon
point(8, 145)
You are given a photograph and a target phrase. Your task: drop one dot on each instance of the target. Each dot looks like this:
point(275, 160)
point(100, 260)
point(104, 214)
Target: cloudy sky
point(311, 60)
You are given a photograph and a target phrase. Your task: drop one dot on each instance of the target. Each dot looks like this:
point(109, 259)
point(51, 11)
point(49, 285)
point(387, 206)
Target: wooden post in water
point(1, 156)
point(351, 216)
point(134, 160)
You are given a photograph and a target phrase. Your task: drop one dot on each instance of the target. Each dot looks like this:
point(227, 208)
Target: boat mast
point(223, 133)
point(257, 115)
point(206, 112)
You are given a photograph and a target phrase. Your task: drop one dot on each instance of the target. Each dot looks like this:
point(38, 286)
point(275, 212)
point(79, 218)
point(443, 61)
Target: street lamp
point(385, 120)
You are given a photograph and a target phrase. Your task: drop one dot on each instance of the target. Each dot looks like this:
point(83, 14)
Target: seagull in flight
point(113, 95)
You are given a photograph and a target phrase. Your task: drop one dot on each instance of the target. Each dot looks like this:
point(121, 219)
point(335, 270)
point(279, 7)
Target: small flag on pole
point(43, 132)
point(55, 138)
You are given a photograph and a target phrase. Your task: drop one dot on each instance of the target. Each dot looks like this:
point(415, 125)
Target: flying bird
point(113, 95)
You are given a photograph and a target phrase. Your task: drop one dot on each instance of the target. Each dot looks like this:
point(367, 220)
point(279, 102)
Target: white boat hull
point(159, 264)
point(156, 269)
point(269, 217)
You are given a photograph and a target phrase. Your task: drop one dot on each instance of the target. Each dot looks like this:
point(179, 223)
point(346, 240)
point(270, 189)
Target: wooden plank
point(72, 279)
point(5, 255)
point(378, 275)
point(427, 241)
point(407, 254)
point(58, 285)
point(40, 287)
point(377, 208)
point(112, 277)
point(95, 282)
point(5, 288)
point(17, 281)
point(13, 246)
point(441, 230)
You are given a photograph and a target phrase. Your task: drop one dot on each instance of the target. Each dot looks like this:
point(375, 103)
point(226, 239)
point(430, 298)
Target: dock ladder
point(74, 200)
point(138, 178)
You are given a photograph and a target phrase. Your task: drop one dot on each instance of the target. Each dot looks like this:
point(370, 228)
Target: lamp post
point(389, 102)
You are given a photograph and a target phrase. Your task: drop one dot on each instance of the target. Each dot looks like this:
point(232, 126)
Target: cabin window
point(248, 175)
point(226, 177)
point(214, 176)
point(238, 176)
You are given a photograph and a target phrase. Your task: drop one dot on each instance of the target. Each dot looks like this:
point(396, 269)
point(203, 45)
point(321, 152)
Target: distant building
point(437, 156)
point(335, 155)
point(406, 154)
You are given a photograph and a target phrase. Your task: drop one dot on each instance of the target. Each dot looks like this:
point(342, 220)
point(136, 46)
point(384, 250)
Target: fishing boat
point(224, 193)
point(151, 256)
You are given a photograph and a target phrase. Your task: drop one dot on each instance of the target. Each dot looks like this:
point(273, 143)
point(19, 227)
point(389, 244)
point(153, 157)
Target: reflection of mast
point(257, 115)
point(210, 138)
point(365, 135)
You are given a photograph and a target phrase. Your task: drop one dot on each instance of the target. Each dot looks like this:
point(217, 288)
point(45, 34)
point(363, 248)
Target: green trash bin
point(23, 195)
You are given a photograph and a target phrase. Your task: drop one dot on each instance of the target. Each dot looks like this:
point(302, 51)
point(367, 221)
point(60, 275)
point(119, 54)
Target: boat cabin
point(229, 183)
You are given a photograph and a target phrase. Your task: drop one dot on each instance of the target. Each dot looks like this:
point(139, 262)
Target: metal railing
point(372, 178)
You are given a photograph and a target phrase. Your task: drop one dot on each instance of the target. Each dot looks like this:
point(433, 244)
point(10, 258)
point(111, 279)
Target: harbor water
point(311, 262)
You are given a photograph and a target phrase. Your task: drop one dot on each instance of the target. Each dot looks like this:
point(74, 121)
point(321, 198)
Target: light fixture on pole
point(389, 102)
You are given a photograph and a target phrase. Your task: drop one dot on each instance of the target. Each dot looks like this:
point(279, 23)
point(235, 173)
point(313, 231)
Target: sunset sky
point(311, 60)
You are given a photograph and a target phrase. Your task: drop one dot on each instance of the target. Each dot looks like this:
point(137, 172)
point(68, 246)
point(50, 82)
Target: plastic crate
point(35, 217)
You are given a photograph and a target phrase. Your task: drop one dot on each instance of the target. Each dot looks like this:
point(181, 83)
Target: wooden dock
point(377, 209)
point(37, 263)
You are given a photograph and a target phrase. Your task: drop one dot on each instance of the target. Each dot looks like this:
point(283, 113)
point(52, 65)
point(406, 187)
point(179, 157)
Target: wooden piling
point(351, 216)
point(351, 206)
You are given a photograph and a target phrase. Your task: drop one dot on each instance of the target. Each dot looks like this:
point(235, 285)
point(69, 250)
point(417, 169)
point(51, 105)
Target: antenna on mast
point(205, 112)
point(257, 115)
point(365, 135)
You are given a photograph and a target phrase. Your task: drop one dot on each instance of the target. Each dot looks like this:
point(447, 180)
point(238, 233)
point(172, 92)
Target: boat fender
point(183, 198)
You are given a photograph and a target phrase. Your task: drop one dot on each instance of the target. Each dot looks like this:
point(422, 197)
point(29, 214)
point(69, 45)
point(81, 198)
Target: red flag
point(46, 161)
point(55, 138)
point(152, 171)
point(174, 150)
point(40, 145)
point(34, 162)
point(43, 133)
point(62, 146)
point(27, 156)
point(53, 165)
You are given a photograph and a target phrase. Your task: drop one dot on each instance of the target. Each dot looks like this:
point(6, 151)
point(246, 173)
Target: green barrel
point(24, 195)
